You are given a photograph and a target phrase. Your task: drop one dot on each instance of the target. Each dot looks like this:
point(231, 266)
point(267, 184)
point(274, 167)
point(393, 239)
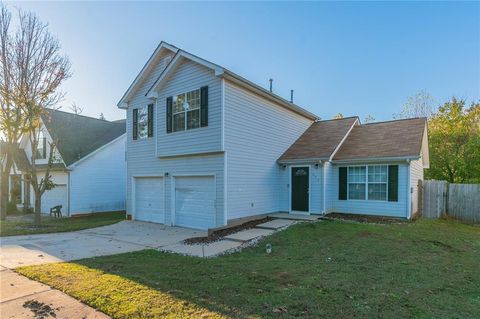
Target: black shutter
point(135, 123)
point(204, 106)
point(44, 147)
point(169, 114)
point(342, 183)
point(393, 183)
point(150, 120)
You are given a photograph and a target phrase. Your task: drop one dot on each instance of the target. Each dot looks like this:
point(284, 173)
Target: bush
point(11, 208)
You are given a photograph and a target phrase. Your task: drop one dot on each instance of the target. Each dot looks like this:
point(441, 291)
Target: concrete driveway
point(125, 236)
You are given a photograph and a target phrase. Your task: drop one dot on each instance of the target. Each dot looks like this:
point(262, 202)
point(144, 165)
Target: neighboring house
point(89, 169)
point(207, 148)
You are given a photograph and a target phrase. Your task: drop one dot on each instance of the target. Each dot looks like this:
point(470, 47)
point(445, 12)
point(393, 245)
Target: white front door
point(149, 204)
point(195, 202)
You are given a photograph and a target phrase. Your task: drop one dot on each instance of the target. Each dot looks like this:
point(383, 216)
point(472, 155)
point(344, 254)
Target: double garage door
point(192, 205)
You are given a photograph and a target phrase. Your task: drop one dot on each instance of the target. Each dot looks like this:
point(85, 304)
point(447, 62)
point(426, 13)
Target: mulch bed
point(365, 218)
point(219, 234)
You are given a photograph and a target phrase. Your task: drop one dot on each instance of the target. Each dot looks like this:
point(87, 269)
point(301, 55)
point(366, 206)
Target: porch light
point(268, 248)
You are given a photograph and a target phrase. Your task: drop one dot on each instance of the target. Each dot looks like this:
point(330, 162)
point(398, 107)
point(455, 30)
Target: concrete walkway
point(17, 291)
point(233, 241)
point(125, 236)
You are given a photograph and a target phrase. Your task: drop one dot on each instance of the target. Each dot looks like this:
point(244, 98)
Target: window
point(41, 146)
point(367, 182)
point(142, 122)
point(186, 111)
point(377, 182)
point(356, 182)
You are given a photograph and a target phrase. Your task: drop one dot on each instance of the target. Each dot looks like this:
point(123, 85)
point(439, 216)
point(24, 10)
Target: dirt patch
point(364, 234)
point(40, 309)
point(365, 218)
point(219, 234)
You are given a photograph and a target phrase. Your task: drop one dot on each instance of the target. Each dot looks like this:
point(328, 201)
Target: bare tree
point(421, 104)
point(36, 70)
point(368, 119)
point(76, 109)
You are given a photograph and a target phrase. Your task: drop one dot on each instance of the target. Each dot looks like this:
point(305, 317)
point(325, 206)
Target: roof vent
point(291, 96)
point(271, 85)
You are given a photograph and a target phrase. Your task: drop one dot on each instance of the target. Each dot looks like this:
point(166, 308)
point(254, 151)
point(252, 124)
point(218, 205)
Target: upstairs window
point(186, 111)
point(143, 122)
point(41, 146)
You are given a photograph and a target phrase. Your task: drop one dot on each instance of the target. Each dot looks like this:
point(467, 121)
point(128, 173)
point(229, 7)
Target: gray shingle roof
point(319, 140)
point(401, 138)
point(79, 135)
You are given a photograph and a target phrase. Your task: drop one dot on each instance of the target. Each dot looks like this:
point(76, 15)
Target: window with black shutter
point(204, 106)
point(393, 183)
point(342, 183)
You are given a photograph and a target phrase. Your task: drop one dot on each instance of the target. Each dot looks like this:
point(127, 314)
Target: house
point(88, 170)
point(207, 148)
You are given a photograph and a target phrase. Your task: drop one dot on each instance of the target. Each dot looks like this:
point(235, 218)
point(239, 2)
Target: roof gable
point(320, 140)
point(142, 75)
point(78, 135)
point(392, 139)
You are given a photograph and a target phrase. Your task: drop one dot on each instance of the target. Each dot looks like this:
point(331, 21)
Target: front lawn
point(23, 225)
point(427, 269)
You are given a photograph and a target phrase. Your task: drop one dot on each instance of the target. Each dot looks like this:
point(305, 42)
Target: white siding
point(189, 76)
point(257, 132)
point(142, 159)
point(98, 183)
point(367, 207)
point(416, 173)
point(52, 197)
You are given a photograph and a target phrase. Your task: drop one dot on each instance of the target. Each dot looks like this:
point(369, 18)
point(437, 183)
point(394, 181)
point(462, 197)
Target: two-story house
point(88, 170)
point(207, 148)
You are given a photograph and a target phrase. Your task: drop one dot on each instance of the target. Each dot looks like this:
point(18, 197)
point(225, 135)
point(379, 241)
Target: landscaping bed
point(219, 234)
point(365, 218)
point(426, 269)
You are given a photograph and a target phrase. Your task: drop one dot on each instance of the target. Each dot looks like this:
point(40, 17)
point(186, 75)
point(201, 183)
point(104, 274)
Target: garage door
point(195, 202)
point(149, 194)
point(54, 197)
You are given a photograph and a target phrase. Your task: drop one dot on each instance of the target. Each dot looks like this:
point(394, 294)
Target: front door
point(300, 182)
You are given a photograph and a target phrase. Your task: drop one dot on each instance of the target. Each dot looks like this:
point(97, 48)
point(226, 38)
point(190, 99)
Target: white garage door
point(149, 195)
point(195, 202)
point(54, 197)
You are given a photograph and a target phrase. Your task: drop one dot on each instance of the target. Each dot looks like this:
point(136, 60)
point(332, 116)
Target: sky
point(361, 58)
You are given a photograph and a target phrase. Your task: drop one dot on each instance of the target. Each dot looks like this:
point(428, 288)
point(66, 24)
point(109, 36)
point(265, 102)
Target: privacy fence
point(461, 201)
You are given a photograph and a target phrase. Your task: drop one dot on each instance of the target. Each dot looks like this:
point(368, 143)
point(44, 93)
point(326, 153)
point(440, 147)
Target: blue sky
point(354, 58)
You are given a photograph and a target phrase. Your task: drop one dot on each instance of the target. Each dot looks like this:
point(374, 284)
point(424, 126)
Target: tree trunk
point(38, 208)
point(4, 188)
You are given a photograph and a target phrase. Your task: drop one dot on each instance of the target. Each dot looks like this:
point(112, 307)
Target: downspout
point(409, 192)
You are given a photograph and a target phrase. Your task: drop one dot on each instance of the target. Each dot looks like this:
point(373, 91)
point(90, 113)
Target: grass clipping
point(114, 295)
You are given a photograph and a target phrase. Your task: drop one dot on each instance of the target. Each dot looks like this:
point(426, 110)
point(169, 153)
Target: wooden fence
point(461, 201)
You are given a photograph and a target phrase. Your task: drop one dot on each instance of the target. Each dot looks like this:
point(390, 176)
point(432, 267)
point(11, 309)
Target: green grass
point(53, 225)
point(427, 269)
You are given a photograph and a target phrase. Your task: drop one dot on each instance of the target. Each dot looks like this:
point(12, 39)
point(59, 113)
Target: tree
point(102, 117)
point(369, 119)
point(338, 116)
point(76, 109)
point(35, 70)
point(454, 140)
point(419, 105)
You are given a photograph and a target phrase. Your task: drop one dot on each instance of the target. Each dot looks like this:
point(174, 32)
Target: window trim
point(366, 184)
point(185, 112)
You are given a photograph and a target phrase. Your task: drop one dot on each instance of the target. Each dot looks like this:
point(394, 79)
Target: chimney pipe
point(271, 86)
point(291, 96)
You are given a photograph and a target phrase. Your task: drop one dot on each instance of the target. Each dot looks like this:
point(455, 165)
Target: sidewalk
point(21, 297)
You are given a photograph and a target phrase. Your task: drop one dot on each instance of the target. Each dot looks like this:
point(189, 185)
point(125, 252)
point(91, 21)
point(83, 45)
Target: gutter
point(376, 159)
